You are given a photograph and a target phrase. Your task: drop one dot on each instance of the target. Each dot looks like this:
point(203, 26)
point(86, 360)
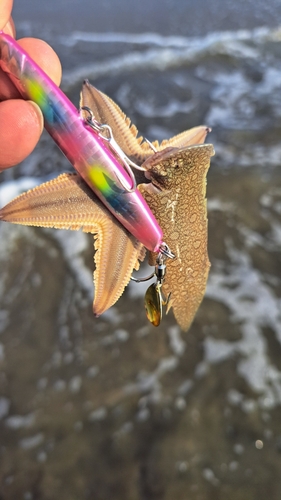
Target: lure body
point(83, 147)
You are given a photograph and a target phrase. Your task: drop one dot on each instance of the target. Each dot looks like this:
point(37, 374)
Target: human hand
point(21, 122)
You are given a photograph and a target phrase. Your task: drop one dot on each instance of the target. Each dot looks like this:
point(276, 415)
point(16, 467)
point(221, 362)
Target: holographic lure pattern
point(85, 150)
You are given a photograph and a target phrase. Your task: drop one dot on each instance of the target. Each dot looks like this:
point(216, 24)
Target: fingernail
point(38, 113)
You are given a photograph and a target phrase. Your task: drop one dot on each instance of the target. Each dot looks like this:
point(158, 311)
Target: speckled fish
point(177, 196)
point(84, 148)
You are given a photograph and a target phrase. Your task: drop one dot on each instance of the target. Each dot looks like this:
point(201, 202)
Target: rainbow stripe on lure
point(85, 150)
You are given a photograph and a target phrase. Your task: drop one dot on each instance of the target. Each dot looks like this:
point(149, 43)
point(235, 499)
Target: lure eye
point(153, 304)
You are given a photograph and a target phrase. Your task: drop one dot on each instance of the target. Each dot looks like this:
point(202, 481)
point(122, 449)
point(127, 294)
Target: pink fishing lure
point(83, 147)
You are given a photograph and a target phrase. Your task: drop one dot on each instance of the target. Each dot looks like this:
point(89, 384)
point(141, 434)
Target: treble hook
point(151, 145)
point(164, 251)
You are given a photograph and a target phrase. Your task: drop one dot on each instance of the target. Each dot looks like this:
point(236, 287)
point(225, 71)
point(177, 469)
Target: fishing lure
point(83, 141)
point(176, 195)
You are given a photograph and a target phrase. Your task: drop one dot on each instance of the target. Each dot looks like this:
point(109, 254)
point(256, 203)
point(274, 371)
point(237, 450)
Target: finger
point(21, 124)
point(45, 57)
point(9, 28)
point(7, 89)
point(5, 12)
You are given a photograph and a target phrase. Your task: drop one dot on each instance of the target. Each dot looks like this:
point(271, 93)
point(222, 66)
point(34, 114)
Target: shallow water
point(112, 407)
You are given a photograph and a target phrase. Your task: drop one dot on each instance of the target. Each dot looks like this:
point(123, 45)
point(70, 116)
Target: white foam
point(150, 382)
point(261, 33)
point(11, 189)
point(73, 245)
point(148, 110)
point(170, 52)
point(252, 305)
